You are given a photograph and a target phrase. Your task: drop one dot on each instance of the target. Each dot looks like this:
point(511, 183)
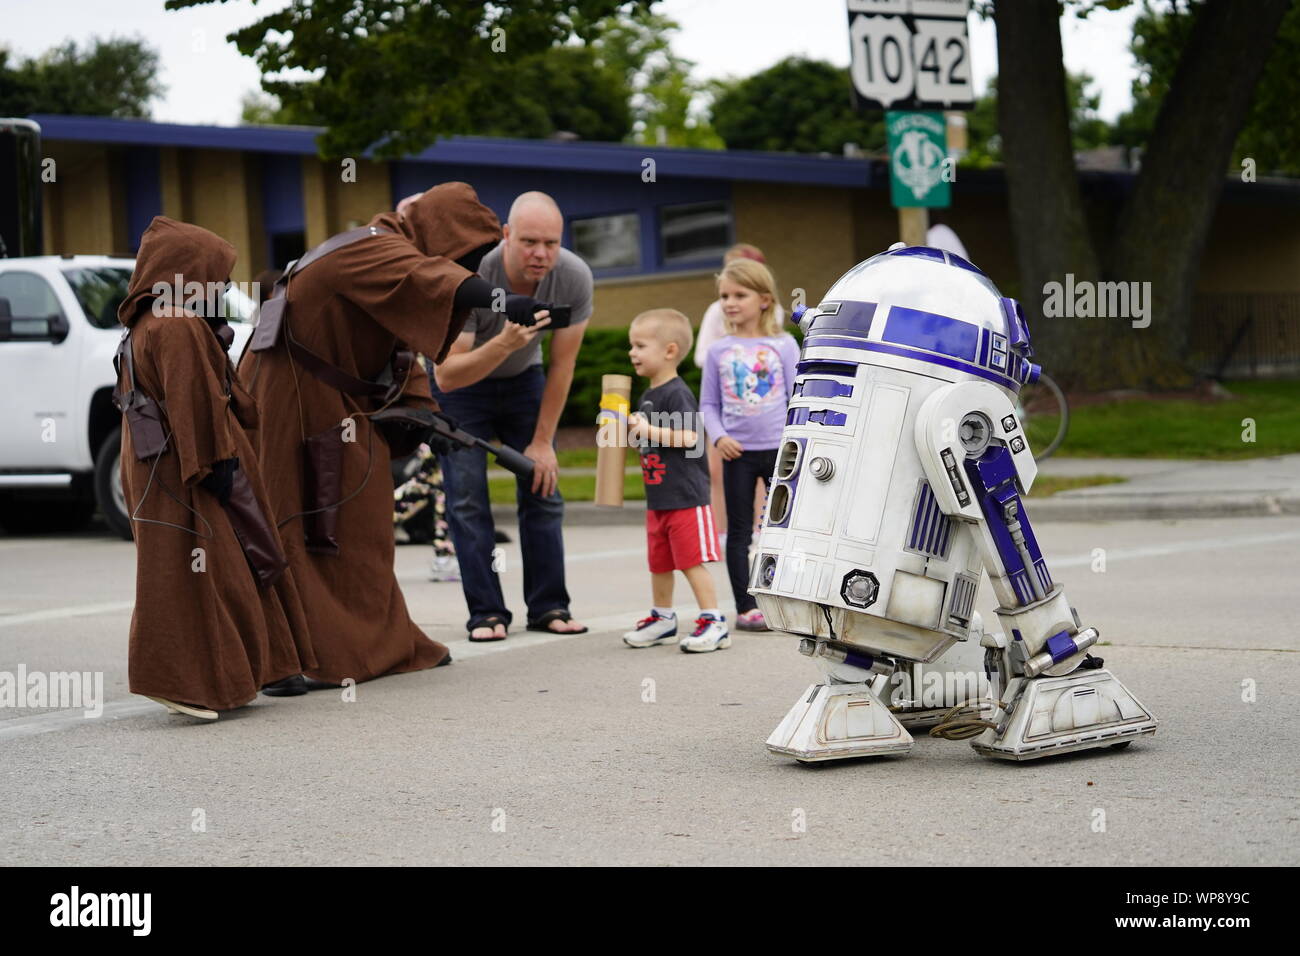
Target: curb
point(1060, 507)
point(1100, 507)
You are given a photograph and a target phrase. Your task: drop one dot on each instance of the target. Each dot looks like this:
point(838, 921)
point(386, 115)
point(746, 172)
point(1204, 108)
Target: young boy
point(679, 522)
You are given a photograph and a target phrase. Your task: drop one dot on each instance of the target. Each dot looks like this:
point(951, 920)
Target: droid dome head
point(916, 308)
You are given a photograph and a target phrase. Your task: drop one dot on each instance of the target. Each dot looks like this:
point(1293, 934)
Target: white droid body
point(898, 481)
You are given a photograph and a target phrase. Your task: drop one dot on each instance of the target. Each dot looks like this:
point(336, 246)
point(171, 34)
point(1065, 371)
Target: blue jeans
point(504, 408)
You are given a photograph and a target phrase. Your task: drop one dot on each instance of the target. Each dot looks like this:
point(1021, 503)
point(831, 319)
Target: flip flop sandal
point(544, 622)
point(491, 621)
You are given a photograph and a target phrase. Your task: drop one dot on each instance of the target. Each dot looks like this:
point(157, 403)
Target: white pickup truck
point(59, 432)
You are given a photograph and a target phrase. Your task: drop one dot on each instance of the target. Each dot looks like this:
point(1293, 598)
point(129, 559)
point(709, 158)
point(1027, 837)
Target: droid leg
point(846, 716)
point(1053, 696)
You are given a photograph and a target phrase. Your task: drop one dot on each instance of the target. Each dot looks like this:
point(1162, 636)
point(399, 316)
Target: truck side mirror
point(45, 328)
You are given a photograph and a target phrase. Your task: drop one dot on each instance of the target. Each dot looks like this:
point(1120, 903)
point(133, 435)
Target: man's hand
point(729, 447)
point(513, 336)
point(546, 468)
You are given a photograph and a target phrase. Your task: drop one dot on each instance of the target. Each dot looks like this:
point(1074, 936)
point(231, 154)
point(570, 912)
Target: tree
point(1047, 217)
point(1087, 129)
point(115, 77)
point(563, 89)
point(666, 103)
point(1162, 226)
point(1270, 133)
point(263, 109)
point(798, 105)
point(397, 74)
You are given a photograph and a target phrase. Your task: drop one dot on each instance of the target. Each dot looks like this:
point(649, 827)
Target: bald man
point(493, 383)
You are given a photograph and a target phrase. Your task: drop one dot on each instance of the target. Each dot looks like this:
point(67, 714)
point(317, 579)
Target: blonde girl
point(748, 377)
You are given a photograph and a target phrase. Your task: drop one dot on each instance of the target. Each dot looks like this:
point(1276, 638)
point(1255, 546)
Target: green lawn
point(1183, 429)
point(583, 487)
point(585, 457)
point(1047, 485)
point(572, 487)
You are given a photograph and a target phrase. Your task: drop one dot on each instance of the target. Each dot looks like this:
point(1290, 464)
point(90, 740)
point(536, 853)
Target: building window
point(694, 232)
point(609, 242)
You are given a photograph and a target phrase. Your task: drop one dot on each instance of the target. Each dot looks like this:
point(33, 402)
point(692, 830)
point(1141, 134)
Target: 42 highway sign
point(910, 54)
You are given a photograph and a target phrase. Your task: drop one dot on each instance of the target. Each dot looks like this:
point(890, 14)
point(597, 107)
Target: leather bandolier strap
point(273, 322)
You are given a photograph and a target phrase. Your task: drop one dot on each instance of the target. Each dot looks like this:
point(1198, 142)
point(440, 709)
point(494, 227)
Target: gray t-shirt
point(569, 283)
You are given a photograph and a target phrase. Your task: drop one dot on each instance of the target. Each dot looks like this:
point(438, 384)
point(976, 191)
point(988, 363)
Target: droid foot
point(1054, 715)
point(835, 721)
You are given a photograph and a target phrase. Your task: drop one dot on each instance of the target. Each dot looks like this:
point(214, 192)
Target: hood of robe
point(447, 220)
point(167, 249)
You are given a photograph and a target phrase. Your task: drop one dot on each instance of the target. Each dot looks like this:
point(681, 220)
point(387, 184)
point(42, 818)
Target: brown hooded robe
point(203, 632)
point(351, 308)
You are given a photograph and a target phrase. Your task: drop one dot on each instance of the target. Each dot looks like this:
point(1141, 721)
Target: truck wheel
point(108, 485)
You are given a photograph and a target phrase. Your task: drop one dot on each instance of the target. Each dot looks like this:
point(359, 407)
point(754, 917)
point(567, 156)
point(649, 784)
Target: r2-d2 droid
point(900, 478)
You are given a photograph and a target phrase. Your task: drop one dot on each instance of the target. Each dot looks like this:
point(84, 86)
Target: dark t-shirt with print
point(674, 477)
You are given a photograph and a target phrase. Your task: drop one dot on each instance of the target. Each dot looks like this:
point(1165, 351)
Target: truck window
point(100, 291)
point(28, 296)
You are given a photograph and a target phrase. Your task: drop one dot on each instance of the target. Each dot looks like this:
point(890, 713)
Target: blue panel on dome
point(924, 251)
point(849, 315)
point(928, 330)
point(958, 261)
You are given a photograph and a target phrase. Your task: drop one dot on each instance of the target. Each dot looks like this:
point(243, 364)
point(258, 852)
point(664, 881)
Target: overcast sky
point(206, 77)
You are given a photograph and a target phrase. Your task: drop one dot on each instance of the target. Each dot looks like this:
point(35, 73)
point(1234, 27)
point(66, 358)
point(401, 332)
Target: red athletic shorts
point(680, 538)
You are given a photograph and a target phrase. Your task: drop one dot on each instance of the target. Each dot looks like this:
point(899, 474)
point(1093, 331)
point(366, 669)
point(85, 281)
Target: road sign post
point(910, 58)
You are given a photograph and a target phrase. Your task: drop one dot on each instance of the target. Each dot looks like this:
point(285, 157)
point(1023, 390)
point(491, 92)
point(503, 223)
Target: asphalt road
point(545, 751)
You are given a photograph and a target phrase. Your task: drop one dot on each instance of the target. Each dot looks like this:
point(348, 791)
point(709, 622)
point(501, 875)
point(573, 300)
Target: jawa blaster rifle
point(435, 426)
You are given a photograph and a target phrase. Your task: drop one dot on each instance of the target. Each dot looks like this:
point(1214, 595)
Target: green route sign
point(920, 172)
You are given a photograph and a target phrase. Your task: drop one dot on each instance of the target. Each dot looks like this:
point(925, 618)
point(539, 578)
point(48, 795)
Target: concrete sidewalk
point(1174, 488)
point(1153, 488)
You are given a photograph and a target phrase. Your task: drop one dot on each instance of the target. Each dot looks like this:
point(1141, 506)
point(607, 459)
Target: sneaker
point(710, 634)
point(752, 621)
point(652, 630)
point(445, 568)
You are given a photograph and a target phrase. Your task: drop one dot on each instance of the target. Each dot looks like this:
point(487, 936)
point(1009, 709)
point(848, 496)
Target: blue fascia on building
point(586, 179)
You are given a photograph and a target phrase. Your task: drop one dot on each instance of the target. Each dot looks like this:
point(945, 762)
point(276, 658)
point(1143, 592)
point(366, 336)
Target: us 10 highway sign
point(910, 54)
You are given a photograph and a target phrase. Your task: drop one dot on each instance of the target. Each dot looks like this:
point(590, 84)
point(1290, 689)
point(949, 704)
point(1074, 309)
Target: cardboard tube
point(611, 438)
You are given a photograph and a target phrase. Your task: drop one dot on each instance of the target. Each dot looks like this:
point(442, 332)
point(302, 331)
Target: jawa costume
point(333, 345)
point(216, 618)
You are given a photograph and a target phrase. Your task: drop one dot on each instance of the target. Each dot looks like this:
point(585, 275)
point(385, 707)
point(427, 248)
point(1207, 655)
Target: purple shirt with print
point(746, 388)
